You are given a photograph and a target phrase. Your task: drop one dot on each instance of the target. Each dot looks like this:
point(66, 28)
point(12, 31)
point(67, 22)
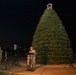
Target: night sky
point(19, 18)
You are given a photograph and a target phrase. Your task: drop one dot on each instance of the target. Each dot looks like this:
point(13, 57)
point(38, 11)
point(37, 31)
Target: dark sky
point(19, 18)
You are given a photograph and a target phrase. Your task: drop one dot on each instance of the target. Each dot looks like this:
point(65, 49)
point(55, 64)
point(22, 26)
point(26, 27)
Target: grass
point(4, 73)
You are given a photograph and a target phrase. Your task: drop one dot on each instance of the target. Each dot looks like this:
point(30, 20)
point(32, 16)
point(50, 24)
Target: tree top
point(49, 5)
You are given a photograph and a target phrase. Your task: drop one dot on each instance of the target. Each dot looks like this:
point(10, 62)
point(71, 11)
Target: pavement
point(53, 69)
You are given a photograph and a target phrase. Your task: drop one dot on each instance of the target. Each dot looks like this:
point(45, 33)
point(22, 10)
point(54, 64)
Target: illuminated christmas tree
point(50, 38)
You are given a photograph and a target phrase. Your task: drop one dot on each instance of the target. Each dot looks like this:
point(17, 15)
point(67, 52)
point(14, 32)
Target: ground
point(54, 69)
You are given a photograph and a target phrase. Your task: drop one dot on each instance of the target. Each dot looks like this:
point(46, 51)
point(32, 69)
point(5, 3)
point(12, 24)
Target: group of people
point(31, 58)
point(30, 61)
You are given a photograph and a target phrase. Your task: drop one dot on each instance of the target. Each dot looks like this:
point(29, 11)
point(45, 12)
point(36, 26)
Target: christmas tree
point(50, 38)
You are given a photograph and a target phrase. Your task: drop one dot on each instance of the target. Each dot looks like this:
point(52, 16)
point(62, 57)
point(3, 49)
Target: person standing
point(1, 51)
point(32, 58)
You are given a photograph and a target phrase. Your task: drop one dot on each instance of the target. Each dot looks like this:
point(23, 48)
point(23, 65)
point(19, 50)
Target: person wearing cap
point(33, 58)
